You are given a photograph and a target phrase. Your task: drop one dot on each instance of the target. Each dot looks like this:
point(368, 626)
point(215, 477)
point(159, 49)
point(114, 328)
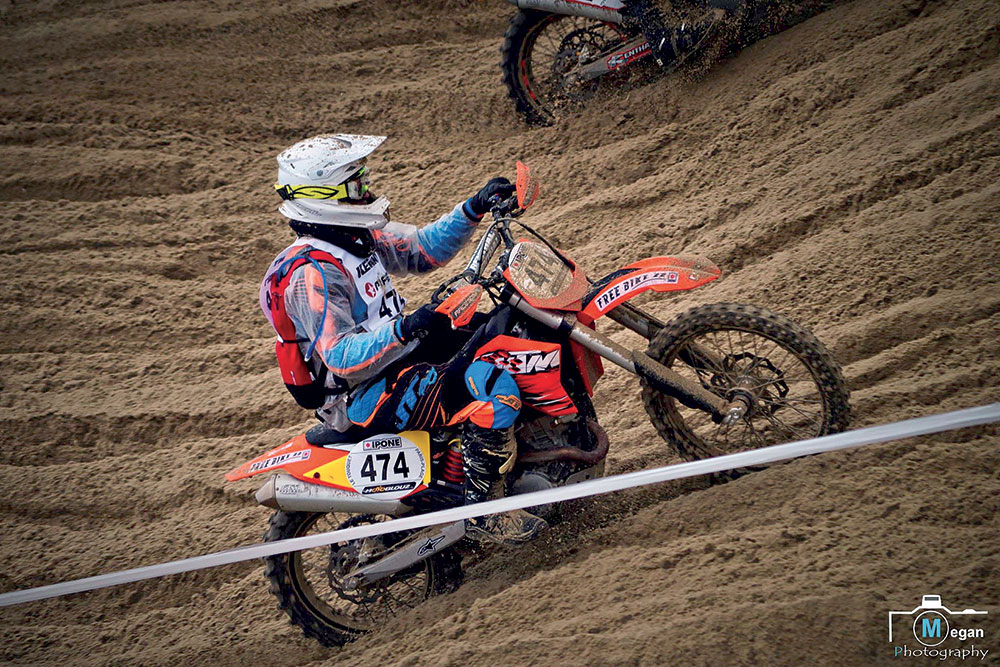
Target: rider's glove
point(419, 323)
point(479, 203)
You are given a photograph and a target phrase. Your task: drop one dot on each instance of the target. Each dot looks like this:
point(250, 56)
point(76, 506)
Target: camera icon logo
point(931, 624)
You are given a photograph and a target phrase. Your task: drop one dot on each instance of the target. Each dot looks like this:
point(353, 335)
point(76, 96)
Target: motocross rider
point(344, 346)
point(671, 45)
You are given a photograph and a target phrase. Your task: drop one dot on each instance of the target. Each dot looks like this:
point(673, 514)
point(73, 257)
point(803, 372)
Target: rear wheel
point(308, 583)
point(794, 387)
point(540, 53)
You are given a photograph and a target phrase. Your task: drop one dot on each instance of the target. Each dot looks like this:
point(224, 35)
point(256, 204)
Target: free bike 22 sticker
point(389, 466)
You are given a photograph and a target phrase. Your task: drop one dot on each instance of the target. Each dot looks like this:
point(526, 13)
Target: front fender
point(660, 274)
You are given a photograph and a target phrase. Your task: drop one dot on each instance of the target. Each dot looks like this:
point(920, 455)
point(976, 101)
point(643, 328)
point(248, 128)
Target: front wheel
point(790, 381)
point(308, 583)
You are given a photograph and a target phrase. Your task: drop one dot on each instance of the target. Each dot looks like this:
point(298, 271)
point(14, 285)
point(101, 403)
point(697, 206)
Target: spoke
point(554, 47)
point(717, 430)
point(385, 600)
point(775, 381)
point(788, 358)
point(398, 601)
point(416, 591)
point(785, 405)
point(785, 428)
point(747, 430)
point(368, 611)
point(756, 435)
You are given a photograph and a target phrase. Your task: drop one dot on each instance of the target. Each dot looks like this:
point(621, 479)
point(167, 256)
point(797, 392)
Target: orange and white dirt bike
point(715, 379)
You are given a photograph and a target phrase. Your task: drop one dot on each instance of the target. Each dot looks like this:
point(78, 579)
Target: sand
point(844, 172)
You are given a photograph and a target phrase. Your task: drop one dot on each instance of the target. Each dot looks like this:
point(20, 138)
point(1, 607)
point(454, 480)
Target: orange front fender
point(660, 274)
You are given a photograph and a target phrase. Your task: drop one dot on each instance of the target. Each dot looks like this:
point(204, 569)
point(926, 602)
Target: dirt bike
point(557, 53)
point(715, 379)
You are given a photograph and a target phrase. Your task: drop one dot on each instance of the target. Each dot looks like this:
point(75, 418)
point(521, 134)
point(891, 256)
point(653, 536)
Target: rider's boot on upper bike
point(671, 45)
point(488, 454)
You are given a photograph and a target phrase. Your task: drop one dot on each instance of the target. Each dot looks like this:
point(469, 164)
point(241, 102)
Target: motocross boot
point(670, 46)
point(487, 455)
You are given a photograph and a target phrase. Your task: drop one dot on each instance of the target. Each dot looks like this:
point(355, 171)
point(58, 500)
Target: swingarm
point(638, 362)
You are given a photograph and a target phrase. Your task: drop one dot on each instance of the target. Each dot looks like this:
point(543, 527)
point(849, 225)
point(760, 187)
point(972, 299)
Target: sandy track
point(843, 172)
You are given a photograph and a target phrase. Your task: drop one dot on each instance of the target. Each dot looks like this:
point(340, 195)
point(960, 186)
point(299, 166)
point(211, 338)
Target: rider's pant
point(488, 448)
point(423, 395)
point(421, 392)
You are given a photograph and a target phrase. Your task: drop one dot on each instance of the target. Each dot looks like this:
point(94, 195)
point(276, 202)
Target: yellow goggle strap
point(352, 189)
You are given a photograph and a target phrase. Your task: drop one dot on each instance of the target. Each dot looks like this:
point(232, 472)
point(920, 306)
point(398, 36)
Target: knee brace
point(496, 397)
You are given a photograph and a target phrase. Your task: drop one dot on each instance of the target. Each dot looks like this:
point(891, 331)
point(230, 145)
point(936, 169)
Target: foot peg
point(515, 527)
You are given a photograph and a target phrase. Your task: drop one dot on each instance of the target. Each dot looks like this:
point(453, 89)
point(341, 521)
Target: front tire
point(305, 582)
point(796, 388)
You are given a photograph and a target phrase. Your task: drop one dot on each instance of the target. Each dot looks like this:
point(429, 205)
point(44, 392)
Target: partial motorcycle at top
point(715, 379)
point(557, 54)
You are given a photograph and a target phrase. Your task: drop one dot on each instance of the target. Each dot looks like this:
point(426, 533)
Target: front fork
point(663, 379)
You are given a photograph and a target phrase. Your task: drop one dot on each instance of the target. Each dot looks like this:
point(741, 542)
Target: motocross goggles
point(353, 188)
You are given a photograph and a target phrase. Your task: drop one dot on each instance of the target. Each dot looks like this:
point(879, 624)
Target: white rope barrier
point(865, 436)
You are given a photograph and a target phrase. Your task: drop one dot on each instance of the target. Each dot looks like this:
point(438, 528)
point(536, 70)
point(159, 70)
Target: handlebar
point(484, 251)
point(496, 234)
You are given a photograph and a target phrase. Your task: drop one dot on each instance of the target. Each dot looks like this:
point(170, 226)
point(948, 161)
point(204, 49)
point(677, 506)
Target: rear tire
point(770, 355)
point(516, 41)
point(308, 605)
point(521, 70)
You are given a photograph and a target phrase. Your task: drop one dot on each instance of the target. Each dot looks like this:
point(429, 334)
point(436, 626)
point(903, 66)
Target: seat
point(321, 435)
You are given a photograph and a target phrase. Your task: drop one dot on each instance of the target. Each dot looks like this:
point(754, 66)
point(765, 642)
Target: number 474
point(369, 468)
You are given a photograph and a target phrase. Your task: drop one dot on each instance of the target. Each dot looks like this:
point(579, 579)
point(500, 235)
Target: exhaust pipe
point(284, 492)
point(573, 453)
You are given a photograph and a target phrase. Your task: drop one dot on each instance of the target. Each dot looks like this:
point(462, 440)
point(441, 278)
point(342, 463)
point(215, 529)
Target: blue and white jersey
point(357, 337)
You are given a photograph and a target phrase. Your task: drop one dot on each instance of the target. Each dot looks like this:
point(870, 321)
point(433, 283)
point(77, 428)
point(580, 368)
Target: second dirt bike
point(557, 53)
point(716, 379)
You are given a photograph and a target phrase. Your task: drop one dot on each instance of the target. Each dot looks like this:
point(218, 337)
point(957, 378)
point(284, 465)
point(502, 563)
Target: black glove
point(419, 323)
point(479, 203)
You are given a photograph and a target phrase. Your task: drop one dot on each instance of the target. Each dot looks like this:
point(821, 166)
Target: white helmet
point(323, 180)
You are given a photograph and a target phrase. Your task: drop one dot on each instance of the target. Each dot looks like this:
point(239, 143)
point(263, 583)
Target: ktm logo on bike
point(523, 362)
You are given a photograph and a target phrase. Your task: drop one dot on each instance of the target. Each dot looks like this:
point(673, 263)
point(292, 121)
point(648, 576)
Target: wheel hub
point(751, 380)
point(343, 560)
point(578, 48)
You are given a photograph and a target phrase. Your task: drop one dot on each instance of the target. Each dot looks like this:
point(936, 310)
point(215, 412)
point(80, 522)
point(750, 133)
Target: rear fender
point(660, 274)
point(296, 457)
point(344, 466)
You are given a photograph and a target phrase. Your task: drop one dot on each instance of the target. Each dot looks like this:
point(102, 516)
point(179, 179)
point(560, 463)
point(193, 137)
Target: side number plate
point(387, 466)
